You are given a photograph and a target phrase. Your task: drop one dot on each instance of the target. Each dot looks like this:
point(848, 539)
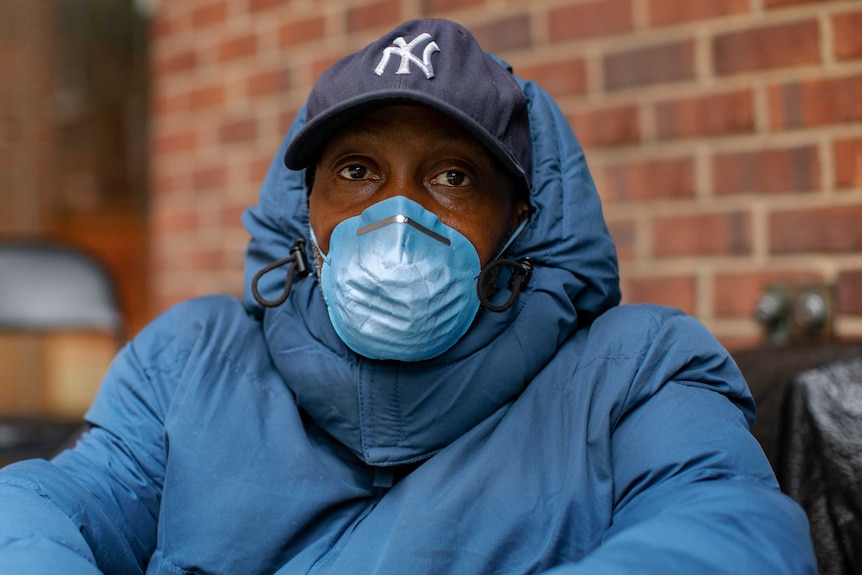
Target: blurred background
point(725, 137)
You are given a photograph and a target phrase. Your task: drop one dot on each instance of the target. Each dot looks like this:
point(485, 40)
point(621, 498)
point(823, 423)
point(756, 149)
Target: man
point(454, 390)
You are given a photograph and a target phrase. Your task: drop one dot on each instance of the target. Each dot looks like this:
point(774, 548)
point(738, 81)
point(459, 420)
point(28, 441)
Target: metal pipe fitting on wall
point(796, 313)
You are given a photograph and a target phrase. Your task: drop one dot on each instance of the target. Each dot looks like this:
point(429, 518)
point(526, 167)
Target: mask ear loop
point(299, 267)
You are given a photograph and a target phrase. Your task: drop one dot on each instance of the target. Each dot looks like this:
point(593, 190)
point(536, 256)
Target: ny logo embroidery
point(405, 51)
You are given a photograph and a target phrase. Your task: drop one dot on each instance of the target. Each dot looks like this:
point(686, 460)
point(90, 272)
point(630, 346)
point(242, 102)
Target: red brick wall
point(26, 129)
point(725, 135)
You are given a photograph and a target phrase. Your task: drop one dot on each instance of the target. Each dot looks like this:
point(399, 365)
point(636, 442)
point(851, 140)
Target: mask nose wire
point(402, 219)
point(298, 267)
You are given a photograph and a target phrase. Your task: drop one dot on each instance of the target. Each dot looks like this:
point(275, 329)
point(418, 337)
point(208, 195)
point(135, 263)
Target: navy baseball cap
point(432, 62)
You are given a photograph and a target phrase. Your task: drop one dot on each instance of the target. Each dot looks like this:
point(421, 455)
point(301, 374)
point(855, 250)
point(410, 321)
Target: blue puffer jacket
point(567, 434)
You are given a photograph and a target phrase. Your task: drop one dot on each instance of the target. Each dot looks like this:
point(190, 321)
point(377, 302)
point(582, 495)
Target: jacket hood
point(389, 413)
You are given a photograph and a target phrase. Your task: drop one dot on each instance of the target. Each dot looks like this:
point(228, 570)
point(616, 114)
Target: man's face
point(421, 154)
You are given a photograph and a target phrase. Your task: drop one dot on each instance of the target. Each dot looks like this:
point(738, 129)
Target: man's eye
point(355, 172)
point(452, 178)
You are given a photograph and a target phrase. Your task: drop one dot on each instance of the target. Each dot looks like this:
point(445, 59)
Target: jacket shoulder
point(182, 326)
point(196, 334)
point(645, 346)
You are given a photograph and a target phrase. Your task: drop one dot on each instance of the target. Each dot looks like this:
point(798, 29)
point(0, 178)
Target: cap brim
point(305, 148)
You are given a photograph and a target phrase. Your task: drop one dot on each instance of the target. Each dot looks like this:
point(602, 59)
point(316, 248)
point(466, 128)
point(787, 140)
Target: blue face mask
point(398, 283)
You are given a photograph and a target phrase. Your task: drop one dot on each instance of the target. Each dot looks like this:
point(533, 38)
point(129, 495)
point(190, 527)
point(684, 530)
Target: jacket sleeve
point(94, 508)
point(693, 491)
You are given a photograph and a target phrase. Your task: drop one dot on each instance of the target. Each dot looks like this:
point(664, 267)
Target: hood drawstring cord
point(486, 285)
point(299, 267)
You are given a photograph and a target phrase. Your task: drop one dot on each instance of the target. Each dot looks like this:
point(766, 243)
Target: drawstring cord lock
point(298, 268)
point(486, 286)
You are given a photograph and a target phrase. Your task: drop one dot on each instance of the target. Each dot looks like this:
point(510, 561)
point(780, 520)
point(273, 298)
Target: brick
point(590, 20)
point(615, 126)
point(736, 294)
point(849, 292)
point(432, 7)
point(669, 12)
point(654, 180)
point(848, 162)
point(231, 216)
point(238, 131)
point(176, 220)
point(209, 14)
point(162, 184)
point(770, 4)
point(383, 13)
point(298, 32)
point(560, 78)
point(781, 46)
point(238, 47)
point(175, 142)
point(258, 168)
point(504, 34)
point(175, 63)
point(164, 105)
point(815, 103)
point(641, 66)
point(209, 177)
point(268, 83)
point(848, 35)
point(623, 233)
point(202, 259)
point(170, 184)
point(162, 26)
point(675, 291)
point(207, 96)
point(256, 6)
point(834, 229)
point(702, 235)
point(706, 116)
point(767, 171)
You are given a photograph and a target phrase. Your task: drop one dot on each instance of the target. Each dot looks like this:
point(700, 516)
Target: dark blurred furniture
point(809, 422)
point(60, 323)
